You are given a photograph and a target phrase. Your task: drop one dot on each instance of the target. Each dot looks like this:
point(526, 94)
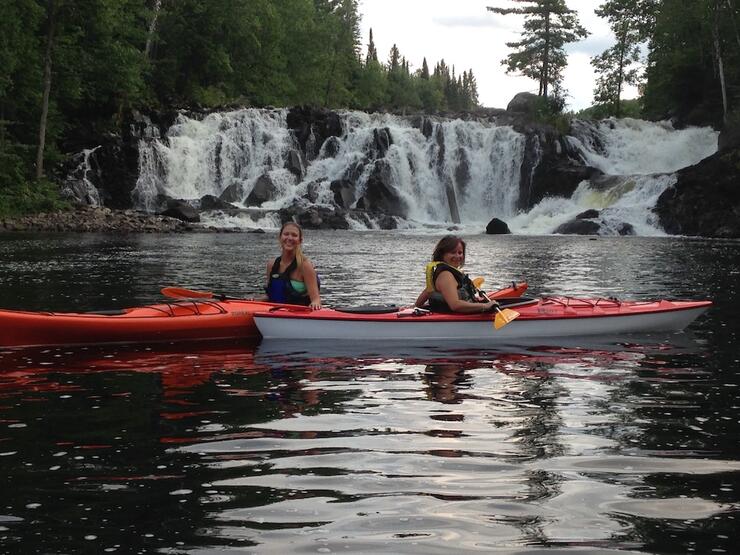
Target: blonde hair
point(299, 256)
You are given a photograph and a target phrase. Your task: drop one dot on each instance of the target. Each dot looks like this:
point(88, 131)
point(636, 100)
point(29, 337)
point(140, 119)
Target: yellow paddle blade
point(478, 282)
point(180, 293)
point(503, 317)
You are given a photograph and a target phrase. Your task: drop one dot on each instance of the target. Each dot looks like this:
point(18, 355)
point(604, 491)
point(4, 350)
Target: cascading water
point(638, 159)
point(228, 153)
point(464, 172)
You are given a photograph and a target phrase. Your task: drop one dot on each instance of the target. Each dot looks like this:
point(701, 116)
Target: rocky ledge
point(88, 218)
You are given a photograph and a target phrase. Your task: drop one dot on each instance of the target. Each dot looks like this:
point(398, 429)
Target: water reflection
point(427, 448)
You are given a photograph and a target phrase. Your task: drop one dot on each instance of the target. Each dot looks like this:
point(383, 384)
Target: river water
point(623, 445)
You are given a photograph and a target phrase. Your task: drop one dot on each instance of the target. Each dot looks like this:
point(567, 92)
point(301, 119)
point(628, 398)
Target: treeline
point(71, 69)
point(683, 56)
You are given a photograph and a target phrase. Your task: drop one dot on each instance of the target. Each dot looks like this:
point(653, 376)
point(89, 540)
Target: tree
point(615, 67)
point(548, 26)
point(693, 63)
point(372, 52)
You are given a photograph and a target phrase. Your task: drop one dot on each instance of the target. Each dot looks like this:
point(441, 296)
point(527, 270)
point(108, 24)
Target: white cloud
point(466, 35)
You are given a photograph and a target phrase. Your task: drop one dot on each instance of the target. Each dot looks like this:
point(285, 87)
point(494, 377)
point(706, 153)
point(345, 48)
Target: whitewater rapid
point(482, 162)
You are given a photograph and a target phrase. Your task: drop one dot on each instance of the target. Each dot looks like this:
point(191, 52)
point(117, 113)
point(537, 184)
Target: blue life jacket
point(280, 290)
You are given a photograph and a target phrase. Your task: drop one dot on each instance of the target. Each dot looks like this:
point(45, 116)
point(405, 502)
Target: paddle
point(180, 293)
point(504, 316)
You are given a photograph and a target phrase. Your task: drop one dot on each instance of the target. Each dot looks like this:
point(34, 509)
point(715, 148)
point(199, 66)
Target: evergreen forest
point(74, 69)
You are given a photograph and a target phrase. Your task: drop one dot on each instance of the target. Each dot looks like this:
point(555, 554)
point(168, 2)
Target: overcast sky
point(468, 36)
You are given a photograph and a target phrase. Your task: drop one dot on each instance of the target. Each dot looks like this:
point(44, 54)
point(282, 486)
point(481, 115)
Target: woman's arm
point(312, 284)
point(422, 298)
point(447, 285)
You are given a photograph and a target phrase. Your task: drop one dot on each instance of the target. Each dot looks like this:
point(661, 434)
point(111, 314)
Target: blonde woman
point(291, 277)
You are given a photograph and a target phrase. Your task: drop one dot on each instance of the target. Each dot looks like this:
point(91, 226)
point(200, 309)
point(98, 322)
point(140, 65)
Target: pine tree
point(548, 26)
point(372, 52)
point(616, 66)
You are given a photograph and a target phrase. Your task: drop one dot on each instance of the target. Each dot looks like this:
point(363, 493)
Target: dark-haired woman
point(291, 278)
point(448, 288)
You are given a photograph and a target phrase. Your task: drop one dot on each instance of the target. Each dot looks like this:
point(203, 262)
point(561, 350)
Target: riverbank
point(105, 220)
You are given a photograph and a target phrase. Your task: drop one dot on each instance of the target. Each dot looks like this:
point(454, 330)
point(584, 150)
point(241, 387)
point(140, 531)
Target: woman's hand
point(315, 305)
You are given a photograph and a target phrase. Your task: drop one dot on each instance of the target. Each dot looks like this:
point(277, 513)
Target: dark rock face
point(524, 102)
point(550, 167)
point(578, 227)
point(210, 202)
point(264, 190)
point(331, 147)
point(497, 227)
point(308, 122)
point(314, 217)
point(344, 193)
point(382, 141)
point(588, 214)
point(232, 193)
point(294, 164)
point(312, 191)
point(625, 229)
point(705, 200)
point(381, 196)
point(181, 210)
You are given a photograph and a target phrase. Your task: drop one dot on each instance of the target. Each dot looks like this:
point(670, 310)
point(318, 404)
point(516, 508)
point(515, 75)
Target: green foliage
point(687, 42)
point(629, 109)
point(28, 198)
point(616, 66)
point(540, 55)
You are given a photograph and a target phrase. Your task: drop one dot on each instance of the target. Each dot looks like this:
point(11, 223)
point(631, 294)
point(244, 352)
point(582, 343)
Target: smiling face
point(291, 237)
point(455, 257)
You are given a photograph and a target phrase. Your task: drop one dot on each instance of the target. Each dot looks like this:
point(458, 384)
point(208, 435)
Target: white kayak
point(549, 317)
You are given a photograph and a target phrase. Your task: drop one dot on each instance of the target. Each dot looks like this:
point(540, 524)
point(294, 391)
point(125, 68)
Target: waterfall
point(639, 160)
point(79, 186)
point(229, 153)
point(435, 174)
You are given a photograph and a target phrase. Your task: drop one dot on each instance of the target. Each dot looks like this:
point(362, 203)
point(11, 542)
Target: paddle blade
point(478, 282)
point(503, 317)
point(180, 293)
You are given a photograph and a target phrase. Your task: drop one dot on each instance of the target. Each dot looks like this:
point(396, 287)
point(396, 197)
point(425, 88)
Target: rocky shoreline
point(104, 220)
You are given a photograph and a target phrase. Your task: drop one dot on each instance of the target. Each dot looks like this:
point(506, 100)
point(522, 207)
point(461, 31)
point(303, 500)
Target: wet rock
point(312, 126)
point(578, 227)
point(344, 193)
point(625, 229)
point(181, 210)
point(232, 193)
point(313, 190)
point(589, 214)
point(314, 217)
point(264, 190)
point(294, 164)
point(210, 202)
point(550, 168)
point(382, 141)
point(462, 170)
point(381, 195)
point(705, 200)
point(497, 227)
point(331, 147)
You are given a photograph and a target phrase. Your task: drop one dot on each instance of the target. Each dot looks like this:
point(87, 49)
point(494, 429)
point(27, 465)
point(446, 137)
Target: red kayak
point(187, 319)
point(182, 320)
